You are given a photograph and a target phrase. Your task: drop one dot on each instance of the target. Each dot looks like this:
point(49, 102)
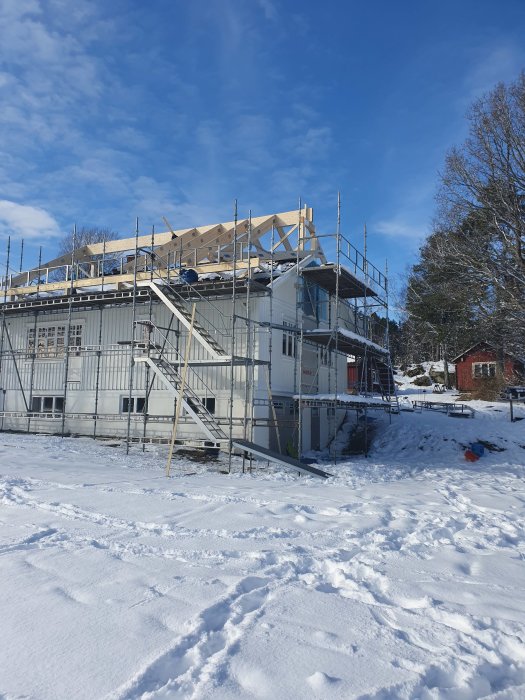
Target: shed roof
point(488, 345)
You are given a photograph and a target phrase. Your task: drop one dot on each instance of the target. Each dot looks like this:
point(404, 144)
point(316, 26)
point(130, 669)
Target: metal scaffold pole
point(299, 313)
point(34, 348)
point(67, 348)
point(2, 335)
point(367, 332)
point(99, 348)
point(336, 314)
point(391, 384)
point(132, 348)
point(233, 318)
point(270, 346)
point(148, 340)
point(249, 374)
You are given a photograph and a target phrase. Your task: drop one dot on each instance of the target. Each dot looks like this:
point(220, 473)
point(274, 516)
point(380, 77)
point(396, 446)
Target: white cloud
point(401, 228)
point(312, 143)
point(269, 8)
point(27, 222)
point(496, 64)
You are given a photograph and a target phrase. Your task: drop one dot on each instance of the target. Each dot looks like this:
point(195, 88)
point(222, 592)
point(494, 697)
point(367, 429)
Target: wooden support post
point(181, 390)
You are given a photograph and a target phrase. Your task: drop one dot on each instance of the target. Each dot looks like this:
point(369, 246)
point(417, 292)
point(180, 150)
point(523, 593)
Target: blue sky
point(176, 107)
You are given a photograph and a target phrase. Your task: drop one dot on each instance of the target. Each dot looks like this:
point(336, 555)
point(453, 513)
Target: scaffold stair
point(176, 304)
point(192, 403)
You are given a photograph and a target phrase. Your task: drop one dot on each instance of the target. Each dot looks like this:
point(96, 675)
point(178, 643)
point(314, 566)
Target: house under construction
point(231, 335)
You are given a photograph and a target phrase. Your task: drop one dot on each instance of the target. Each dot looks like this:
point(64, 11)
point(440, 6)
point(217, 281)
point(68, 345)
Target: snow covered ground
point(401, 577)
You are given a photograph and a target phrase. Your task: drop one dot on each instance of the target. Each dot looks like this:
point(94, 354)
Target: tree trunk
point(445, 369)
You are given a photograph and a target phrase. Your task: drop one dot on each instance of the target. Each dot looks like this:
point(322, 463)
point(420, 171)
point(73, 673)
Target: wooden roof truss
point(284, 236)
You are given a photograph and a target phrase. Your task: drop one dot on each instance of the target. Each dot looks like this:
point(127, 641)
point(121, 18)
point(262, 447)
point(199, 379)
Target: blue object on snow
point(188, 276)
point(477, 448)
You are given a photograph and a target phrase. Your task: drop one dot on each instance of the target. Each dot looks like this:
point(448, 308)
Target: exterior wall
point(465, 380)
point(112, 325)
point(318, 424)
point(98, 372)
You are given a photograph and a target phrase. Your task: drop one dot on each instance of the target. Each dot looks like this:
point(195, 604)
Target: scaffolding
point(236, 265)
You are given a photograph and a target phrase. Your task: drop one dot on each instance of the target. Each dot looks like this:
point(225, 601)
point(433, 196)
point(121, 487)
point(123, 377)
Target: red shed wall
point(464, 379)
point(352, 376)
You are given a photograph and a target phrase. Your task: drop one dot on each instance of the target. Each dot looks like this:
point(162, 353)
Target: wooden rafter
point(196, 246)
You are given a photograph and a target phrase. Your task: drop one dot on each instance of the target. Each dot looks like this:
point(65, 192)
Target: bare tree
point(482, 208)
point(75, 240)
point(85, 235)
point(487, 173)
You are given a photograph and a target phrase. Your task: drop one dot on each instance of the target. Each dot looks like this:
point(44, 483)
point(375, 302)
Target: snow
point(352, 336)
point(400, 577)
point(405, 384)
point(345, 398)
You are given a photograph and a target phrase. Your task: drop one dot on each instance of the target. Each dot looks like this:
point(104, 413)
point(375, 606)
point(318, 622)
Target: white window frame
point(325, 357)
point(38, 404)
point(479, 371)
point(51, 339)
point(135, 400)
point(289, 341)
point(210, 404)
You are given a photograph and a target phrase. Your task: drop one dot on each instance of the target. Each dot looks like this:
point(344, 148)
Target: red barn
point(480, 362)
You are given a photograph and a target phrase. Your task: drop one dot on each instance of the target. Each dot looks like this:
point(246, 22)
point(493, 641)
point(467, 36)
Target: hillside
point(400, 577)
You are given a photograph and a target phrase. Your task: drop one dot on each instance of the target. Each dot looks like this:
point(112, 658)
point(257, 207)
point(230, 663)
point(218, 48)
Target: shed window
point(483, 370)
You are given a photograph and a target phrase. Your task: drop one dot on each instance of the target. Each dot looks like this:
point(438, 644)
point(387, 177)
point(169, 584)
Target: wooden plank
point(127, 279)
point(282, 460)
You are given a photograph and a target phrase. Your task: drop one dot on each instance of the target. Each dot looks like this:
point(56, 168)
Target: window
point(209, 404)
point(138, 404)
point(326, 357)
point(315, 301)
point(289, 341)
point(47, 404)
point(75, 336)
point(207, 401)
point(51, 340)
point(483, 370)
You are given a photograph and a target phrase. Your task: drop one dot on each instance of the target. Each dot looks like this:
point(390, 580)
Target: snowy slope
point(401, 577)
point(405, 384)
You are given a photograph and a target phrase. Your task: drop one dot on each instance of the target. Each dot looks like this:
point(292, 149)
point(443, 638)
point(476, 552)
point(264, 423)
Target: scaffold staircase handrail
point(388, 392)
point(192, 403)
point(176, 304)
